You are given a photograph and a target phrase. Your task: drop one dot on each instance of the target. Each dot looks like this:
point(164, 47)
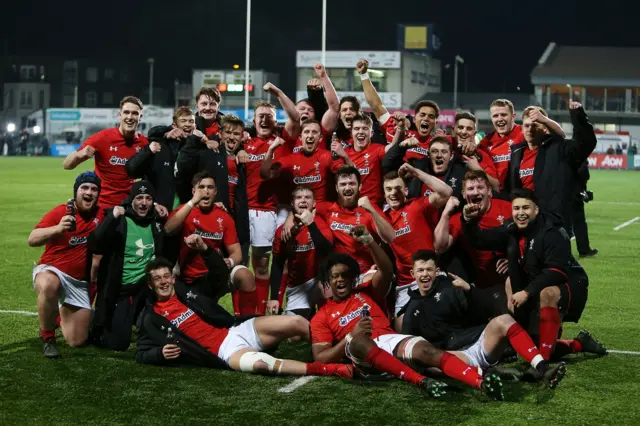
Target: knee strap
point(248, 360)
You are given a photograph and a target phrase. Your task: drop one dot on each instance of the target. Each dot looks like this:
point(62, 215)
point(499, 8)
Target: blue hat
point(86, 177)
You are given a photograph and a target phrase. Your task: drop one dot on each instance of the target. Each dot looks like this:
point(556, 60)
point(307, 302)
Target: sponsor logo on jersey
point(76, 241)
point(233, 180)
point(305, 247)
point(182, 318)
point(297, 149)
point(337, 226)
point(117, 161)
point(419, 150)
point(364, 171)
point(501, 158)
point(253, 157)
point(526, 172)
point(343, 321)
point(307, 179)
point(210, 235)
point(403, 231)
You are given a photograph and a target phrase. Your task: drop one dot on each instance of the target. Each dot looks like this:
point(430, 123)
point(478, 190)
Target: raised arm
point(441, 191)
point(583, 134)
point(384, 228)
point(370, 93)
point(322, 245)
point(77, 157)
point(176, 221)
point(140, 164)
point(442, 238)
point(269, 170)
point(330, 117)
point(293, 122)
point(41, 236)
point(398, 136)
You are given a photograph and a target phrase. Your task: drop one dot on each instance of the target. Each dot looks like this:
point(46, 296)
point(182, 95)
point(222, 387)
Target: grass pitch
point(91, 386)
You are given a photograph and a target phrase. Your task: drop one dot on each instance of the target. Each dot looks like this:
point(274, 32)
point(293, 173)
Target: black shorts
point(573, 298)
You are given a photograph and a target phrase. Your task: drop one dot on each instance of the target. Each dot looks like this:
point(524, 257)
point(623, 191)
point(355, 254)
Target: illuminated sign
point(224, 87)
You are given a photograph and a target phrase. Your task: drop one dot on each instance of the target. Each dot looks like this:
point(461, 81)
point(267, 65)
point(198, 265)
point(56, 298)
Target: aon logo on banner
point(612, 162)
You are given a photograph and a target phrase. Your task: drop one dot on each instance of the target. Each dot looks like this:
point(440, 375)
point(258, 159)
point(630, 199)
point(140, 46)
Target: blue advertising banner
point(63, 149)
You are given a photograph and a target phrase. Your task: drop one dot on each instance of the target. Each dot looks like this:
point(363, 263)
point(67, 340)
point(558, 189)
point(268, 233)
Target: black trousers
point(580, 229)
point(117, 335)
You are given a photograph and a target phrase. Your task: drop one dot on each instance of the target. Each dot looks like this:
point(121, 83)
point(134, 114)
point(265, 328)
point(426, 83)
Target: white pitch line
point(627, 223)
point(615, 351)
point(301, 381)
point(617, 203)
point(31, 314)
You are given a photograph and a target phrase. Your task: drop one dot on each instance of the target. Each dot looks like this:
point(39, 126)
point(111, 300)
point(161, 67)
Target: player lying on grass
point(353, 324)
point(546, 284)
point(442, 310)
point(180, 325)
point(60, 278)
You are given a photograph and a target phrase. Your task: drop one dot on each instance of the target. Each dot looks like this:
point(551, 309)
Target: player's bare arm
point(326, 352)
point(442, 239)
point(293, 123)
point(268, 170)
point(441, 191)
point(401, 128)
point(370, 93)
point(330, 117)
point(384, 228)
point(174, 224)
point(76, 158)
point(382, 279)
point(338, 149)
point(42, 236)
point(235, 255)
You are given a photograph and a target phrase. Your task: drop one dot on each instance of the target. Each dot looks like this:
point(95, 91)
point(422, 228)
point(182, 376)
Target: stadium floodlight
point(11, 127)
point(36, 129)
point(247, 51)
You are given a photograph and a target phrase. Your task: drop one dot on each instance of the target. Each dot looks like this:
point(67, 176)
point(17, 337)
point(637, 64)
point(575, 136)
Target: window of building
point(23, 98)
point(108, 73)
point(9, 100)
point(635, 99)
point(92, 74)
point(91, 99)
point(595, 99)
point(340, 78)
point(27, 72)
point(29, 99)
point(107, 98)
point(41, 104)
point(616, 98)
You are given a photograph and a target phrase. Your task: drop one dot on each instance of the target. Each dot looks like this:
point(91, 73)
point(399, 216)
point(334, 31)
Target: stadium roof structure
point(588, 66)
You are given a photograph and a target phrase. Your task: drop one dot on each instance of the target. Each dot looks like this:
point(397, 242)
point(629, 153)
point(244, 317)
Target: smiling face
point(310, 137)
point(348, 191)
point(264, 121)
point(130, 115)
point(341, 282)
point(440, 156)
point(87, 197)
point(162, 283)
point(207, 188)
point(207, 107)
point(395, 193)
point(186, 123)
point(306, 111)
point(502, 119)
point(465, 130)
point(142, 204)
point(425, 120)
point(424, 272)
point(477, 192)
point(361, 134)
point(303, 199)
point(523, 211)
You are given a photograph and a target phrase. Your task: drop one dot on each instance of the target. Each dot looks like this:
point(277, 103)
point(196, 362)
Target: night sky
point(500, 43)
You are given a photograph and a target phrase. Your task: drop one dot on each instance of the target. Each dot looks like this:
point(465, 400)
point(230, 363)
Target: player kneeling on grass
point(205, 334)
point(60, 276)
point(442, 310)
point(352, 323)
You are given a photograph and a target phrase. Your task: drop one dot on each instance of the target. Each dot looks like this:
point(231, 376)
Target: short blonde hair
point(529, 109)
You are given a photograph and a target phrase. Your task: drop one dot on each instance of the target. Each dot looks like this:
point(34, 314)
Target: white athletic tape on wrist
point(364, 76)
point(190, 204)
point(248, 360)
point(367, 239)
point(231, 262)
